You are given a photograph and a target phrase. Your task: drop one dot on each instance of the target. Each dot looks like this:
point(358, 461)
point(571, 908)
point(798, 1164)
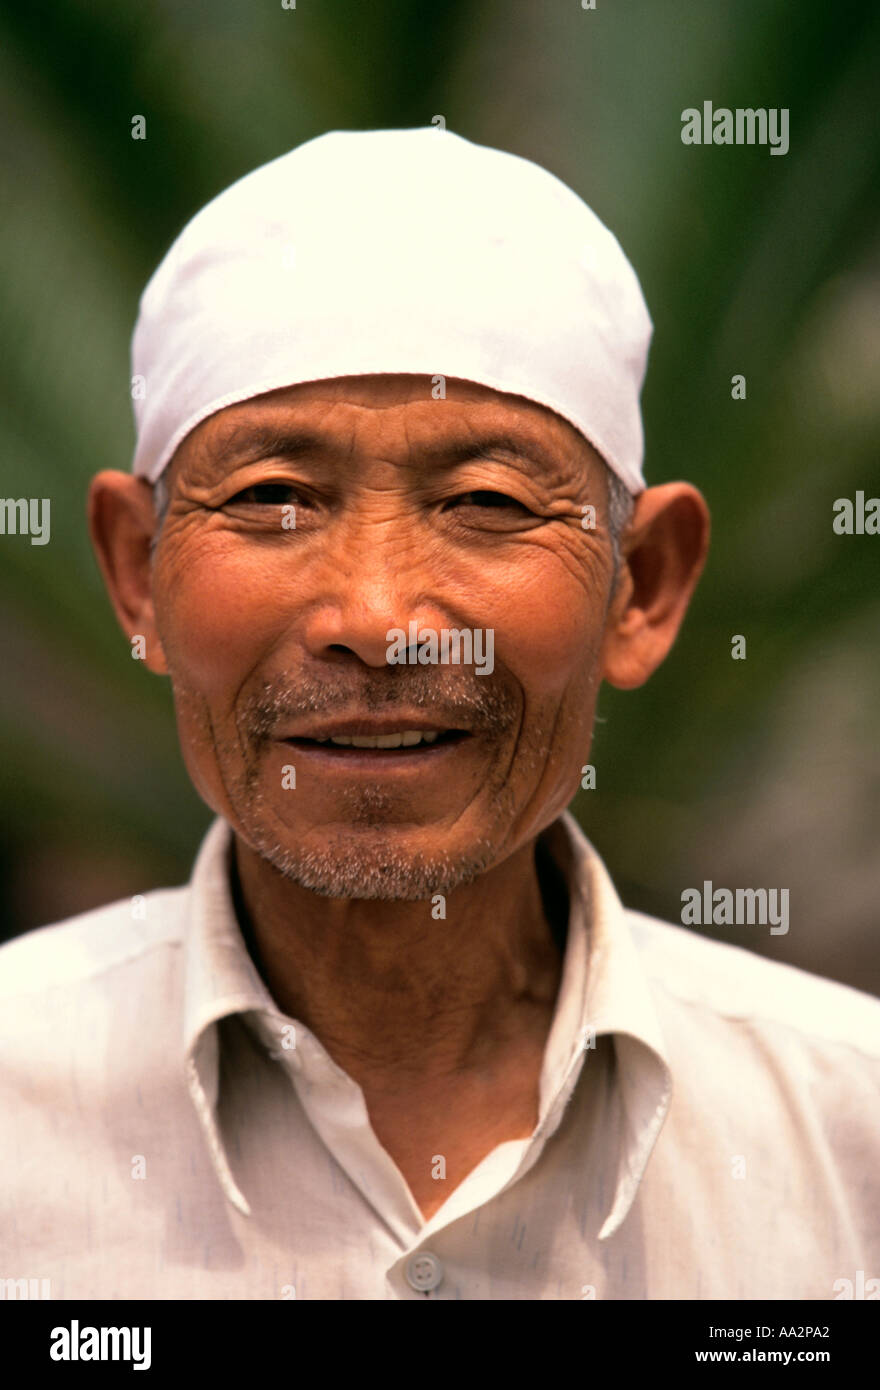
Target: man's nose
point(373, 581)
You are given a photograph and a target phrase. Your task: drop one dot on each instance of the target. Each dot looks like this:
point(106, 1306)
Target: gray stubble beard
point(383, 871)
point(346, 868)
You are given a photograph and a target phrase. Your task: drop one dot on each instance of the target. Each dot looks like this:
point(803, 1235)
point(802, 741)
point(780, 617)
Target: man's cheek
point(548, 640)
point(211, 634)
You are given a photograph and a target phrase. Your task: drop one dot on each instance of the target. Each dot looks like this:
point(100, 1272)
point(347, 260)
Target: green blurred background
point(758, 773)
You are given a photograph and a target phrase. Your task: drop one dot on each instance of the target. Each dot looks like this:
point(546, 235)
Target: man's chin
point(375, 865)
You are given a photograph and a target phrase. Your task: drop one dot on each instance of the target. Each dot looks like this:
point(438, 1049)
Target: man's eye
point(495, 500)
point(266, 495)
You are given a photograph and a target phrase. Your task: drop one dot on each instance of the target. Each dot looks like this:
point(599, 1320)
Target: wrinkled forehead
point(405, 418)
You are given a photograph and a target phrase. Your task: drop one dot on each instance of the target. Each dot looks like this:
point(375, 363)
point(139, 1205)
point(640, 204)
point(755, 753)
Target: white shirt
point(718, 1136)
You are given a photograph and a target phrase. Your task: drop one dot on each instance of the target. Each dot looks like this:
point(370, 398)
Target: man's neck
point(398, 997)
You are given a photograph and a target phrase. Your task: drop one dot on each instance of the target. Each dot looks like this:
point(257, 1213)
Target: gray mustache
point(481, 709)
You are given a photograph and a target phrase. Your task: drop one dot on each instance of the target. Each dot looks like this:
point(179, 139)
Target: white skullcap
point(394, 251)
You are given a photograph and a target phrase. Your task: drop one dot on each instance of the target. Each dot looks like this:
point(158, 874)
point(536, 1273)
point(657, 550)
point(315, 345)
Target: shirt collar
point(220, 980)
point(603, 990)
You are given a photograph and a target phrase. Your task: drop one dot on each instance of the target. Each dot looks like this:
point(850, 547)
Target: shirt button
point(424, 1272)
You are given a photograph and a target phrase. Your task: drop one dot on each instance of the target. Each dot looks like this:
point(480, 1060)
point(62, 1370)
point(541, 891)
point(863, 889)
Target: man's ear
point(122, 523)
point(664, 550)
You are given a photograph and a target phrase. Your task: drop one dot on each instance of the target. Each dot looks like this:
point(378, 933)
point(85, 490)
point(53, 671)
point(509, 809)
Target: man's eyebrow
point(527, 450)
point(262, 441)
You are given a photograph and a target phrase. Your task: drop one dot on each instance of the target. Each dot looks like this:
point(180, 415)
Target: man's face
point(460, 513)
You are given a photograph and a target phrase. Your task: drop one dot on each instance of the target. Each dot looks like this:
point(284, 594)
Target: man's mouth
point(398, 741)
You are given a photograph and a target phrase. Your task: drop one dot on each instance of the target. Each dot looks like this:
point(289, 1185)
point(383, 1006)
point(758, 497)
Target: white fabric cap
point(394, 251)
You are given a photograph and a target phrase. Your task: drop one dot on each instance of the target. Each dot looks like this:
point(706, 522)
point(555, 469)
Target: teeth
point(406, 739)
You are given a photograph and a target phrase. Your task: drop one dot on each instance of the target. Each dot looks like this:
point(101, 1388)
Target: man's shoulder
point(738, 985)
point(84, 948)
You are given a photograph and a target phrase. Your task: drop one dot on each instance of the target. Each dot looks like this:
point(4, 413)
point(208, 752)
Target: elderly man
point(398, 1038)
